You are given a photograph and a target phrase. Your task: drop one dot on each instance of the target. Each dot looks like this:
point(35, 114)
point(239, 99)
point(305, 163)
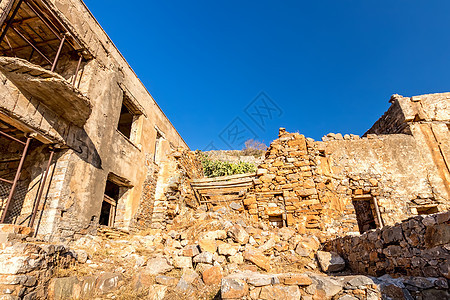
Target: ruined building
point(81, 140)
point(347, 184)
point(83, 143)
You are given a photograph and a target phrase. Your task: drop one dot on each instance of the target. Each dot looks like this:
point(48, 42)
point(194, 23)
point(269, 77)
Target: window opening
point(157, 146)
point(426, 210)
point(125, 121)
point(276, 221)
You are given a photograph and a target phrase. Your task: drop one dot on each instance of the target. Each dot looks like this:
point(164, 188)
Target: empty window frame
point(110, 199)
point(157, 150)
point(128, 119)
point(114, 199)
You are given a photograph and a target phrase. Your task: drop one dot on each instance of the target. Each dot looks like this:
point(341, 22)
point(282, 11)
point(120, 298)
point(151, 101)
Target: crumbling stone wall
point(418, 246)
point(143, 218)
point(165, 196)
point(426, 117)
point(26, 268)
point(313, 185)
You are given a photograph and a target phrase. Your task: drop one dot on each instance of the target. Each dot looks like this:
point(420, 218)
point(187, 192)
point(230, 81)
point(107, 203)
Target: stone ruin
point(101, 197)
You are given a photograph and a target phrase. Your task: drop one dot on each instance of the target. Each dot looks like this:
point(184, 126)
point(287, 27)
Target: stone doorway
point(365, 213)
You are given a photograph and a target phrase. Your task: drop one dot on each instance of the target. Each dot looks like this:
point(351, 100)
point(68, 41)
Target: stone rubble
point(204, 254)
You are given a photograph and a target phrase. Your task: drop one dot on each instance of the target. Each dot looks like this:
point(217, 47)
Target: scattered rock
point(330, 261)
point(212, 275)
point(238, 234)
point(158, 265)
point(257, 257)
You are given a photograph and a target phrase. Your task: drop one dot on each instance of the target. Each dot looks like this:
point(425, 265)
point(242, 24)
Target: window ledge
point(138, 147)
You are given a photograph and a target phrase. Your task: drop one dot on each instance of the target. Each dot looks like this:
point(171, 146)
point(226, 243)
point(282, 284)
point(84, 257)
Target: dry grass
point(73, 269)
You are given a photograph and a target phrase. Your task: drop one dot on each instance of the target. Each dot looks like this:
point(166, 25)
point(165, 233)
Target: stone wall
point(26, 268)
point(308, 286)
point(173, 190)
point(416, 247)
point(316, 186)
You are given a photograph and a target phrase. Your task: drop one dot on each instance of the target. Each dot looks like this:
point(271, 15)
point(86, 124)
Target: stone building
point(81, 139)
point(343, 184)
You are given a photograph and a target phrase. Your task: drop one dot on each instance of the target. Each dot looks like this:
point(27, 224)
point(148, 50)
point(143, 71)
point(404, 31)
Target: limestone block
point(238, 234)
point(273, 211)
point(191, 250)
point(207, 245)
point(330, 261)
point(228, 249)
point(204, 257)
point(233, 288)
point(279, 292)
point(158, 265)
point(181, 262)
point(257, 257)
point(297, 279)
point(212, 275)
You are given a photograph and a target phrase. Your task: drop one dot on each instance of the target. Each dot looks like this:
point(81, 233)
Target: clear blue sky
point(327, 66)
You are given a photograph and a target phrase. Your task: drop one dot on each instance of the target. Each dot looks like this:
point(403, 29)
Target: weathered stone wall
point(392, 121)
point(315, 186)
point(416, 247)
point(426, 117)
point(173, 187)
point(26, 268)
point(96, 148)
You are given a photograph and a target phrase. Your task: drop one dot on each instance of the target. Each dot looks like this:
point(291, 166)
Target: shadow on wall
point(75, 137)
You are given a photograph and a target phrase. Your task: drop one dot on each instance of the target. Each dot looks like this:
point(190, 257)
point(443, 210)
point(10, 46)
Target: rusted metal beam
point(32, 45)
point(76, 71)
point(41, 188)
point(57, 54)
point(10, 21)
point(11, 137)
point(5, 180)
point(37, 44)
point(16, 180)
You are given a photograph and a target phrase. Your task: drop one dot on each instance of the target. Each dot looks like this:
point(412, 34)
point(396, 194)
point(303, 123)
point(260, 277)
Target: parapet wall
point(416, 247)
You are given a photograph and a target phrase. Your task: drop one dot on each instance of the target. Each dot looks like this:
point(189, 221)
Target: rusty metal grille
point(4, 192)
point(15, 208)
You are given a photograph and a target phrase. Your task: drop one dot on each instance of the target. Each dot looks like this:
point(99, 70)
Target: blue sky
point(311, 66)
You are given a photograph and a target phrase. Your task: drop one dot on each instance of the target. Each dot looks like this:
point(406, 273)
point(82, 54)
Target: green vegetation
point(215, 168)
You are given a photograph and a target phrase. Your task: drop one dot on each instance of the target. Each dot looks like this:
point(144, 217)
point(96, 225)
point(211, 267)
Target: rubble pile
point(218, 254)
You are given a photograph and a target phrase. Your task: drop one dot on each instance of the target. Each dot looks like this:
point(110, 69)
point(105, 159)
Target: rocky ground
point(222, 255)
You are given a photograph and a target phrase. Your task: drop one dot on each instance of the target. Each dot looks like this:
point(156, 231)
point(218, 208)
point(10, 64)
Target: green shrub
point(215, 168)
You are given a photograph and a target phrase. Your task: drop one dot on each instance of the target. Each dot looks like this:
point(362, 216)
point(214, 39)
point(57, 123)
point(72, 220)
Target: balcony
point(44, 59)
point(50, 88)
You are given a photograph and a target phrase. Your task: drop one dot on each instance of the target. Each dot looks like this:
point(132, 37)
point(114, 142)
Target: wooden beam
point(223, 178)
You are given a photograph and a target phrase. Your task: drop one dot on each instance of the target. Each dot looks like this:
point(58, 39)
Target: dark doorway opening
point(364, 214)
point(108, 211)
